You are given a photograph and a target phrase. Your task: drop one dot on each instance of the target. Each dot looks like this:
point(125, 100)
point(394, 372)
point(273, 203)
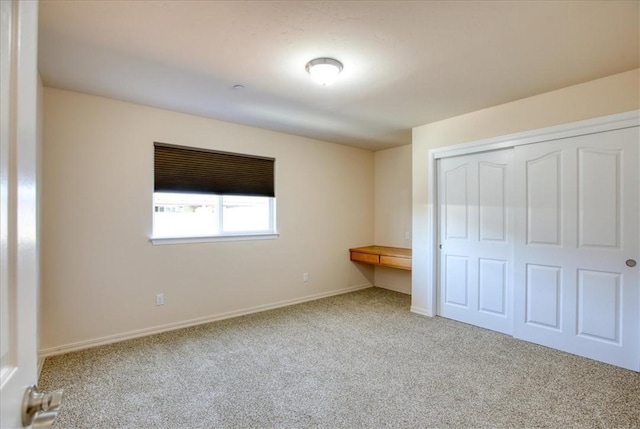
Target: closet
point(539, 239)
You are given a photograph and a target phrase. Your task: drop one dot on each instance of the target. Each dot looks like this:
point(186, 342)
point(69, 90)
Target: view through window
point(200, 215)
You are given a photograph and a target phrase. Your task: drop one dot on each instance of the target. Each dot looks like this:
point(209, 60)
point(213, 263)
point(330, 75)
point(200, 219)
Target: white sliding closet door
point(476, 241)
point(576, 287)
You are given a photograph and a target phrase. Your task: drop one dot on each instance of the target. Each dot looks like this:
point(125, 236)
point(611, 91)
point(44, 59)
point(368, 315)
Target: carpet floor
point(359, 360)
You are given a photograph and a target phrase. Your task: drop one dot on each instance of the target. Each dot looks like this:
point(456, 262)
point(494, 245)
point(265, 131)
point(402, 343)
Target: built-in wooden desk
point(394, 257)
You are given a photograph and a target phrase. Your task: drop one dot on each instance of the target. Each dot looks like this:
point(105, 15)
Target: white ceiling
point(406, 63)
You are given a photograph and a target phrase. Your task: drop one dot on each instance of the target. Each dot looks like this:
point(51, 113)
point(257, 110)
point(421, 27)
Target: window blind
point(192, 170)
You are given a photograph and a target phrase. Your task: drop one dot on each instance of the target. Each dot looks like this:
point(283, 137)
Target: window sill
point(160, 241)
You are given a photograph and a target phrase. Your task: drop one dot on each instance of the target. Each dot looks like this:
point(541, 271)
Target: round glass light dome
point(324, 70)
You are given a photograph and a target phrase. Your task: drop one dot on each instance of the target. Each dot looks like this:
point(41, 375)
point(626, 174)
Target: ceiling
point(406, 63)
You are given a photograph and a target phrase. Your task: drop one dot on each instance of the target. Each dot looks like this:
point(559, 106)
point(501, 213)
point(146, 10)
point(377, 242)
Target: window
point(206, 194)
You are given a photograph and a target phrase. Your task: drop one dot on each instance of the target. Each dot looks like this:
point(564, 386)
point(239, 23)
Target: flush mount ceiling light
point(324, 70)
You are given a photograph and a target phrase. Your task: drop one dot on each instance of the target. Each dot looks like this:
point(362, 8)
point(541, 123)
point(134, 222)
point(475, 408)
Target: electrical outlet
point(407, 235)
point(159, 299)
point(305, 277)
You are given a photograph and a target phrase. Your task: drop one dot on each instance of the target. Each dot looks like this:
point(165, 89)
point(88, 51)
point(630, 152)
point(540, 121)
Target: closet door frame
point(427, 278)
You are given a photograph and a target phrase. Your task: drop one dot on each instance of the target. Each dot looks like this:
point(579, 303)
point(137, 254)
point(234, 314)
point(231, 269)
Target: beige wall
point(601, 97)
point(393, 212)
point(101, 273)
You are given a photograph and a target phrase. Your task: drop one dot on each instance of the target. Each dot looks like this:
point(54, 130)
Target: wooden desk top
point(397, 252)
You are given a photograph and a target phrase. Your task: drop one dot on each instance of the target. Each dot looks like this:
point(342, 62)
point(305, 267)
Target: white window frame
point(223, 236)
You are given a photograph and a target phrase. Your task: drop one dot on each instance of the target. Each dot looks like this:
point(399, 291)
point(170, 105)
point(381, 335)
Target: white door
point(476, 242)
point(577, 238)
point(18, 219)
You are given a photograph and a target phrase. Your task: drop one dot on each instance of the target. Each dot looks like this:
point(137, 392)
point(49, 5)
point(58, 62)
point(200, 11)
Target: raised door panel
point(492, 202)
point(456, 203)
point(599, 306)
point(543, 199)
point(456, 281)
point(543, 296)
point(599, 198)
point(492, 286)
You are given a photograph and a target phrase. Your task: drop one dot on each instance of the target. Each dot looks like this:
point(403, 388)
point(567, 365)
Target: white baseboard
point(421, 311)
point(66, 348)
point(396, 289)
point(40, 365)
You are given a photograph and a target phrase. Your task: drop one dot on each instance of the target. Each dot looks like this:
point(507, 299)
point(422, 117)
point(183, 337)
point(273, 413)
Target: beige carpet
point(359, 360)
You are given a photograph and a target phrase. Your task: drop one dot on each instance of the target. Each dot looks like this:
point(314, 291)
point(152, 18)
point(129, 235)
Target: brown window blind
point(201, 171)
